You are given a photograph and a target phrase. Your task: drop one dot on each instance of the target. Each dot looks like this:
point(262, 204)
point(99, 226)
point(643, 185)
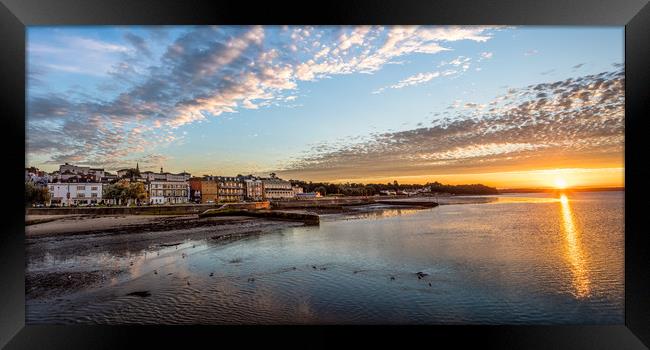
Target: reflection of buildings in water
point(574, 251)
point(384, 213)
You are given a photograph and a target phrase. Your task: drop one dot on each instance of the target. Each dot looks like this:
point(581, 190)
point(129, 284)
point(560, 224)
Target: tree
point(131, 173)
point(125, 191)
point(321, 190)
point(137, 192)
point(113, 191)
point(36, 194)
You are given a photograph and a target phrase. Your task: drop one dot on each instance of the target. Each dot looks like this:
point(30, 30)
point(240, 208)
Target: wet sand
point(52, 245)
point(89, 224)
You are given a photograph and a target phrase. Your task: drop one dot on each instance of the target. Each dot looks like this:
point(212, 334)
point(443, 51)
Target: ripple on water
point(486, 264)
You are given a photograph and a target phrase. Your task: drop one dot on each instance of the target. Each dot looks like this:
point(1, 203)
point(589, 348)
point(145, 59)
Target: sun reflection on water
point(574, 250)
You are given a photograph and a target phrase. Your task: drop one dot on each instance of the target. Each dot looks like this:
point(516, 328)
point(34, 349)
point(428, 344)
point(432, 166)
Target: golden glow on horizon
point(574, 253)
point(544, 178)
point(560, 183)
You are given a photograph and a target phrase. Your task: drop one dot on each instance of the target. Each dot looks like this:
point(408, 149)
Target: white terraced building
point(82, 193)
point(165, 176)
point(174, 192)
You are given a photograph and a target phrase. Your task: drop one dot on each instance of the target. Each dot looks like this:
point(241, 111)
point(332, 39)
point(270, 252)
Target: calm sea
point(523, 259)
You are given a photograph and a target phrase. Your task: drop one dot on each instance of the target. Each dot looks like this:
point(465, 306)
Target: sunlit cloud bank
point(574, 123)
point(202, 73)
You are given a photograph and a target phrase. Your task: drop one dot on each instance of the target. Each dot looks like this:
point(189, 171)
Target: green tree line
point(360, 189)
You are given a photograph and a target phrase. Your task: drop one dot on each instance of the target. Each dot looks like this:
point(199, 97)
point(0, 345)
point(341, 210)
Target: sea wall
point(428, 204)
point(248, 206)
point(151, 210)
point(307, 218)
point(322, 203)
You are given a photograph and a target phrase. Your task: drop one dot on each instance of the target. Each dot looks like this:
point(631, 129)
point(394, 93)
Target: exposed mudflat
point(56, 249)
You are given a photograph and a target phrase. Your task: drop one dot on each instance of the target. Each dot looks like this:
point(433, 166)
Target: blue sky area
point(229, 100)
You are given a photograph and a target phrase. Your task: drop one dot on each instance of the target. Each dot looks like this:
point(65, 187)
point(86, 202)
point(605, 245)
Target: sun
point(560, 183)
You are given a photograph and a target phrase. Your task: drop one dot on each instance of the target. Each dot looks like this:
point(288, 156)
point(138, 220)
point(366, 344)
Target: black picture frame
point(15, 15)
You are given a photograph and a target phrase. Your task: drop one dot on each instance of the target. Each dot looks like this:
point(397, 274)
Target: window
point(93, 195)
point(81, 188)
point(81, 195)
point(93, 188)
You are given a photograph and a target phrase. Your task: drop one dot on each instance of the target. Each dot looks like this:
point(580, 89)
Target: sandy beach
point(92, 224)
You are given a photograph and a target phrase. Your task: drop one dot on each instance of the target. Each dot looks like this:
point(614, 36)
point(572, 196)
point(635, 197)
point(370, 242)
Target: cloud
point(138, 43)
point(486, 55)
point(531, 52)
point(202, 73)
point(459, 65)
point(416, 79)
point(74, 54)
point(367, 49)
point(86, 44)
point(574, 121)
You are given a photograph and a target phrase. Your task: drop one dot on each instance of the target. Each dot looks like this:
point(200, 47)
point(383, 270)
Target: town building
point(163, 192)
point(75, 193)
point(108, 178)
point(97, 172)
point(209, 188)
point(162, 187)
point(73, 169)
point(37, 176)
point(122, 172)
point(276, 188)
point(230, 189)
point(164, 176)
point(215, 189)
point(308, 195)
point(68, 172)
point(195, 189)
point(253, 188)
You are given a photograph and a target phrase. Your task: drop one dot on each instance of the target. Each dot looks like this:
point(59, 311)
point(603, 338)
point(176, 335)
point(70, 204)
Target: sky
point(504, 106)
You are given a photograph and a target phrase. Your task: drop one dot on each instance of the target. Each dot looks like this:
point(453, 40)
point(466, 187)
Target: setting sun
point(560, 183)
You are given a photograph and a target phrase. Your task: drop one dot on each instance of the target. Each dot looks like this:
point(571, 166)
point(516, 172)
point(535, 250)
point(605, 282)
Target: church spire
point(137, 167)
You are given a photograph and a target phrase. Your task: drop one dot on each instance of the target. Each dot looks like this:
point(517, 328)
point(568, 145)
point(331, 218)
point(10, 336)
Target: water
point(522, 259)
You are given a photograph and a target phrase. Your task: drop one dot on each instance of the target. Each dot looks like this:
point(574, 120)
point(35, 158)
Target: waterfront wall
point(248, 206)
point(151, 210)
point(306, 218)
point(199, 208)
point(322, 202)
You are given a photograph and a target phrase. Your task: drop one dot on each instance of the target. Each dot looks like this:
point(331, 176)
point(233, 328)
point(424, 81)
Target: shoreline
point(124, 224)
point(37, 225)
